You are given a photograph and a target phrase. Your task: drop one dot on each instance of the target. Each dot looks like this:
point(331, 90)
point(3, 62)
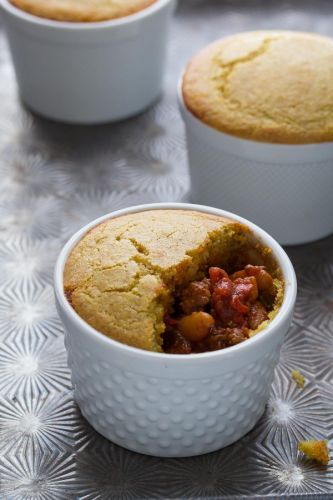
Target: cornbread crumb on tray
point(82, 10)
point(298, 379)
point(123, 276)
point(315, 450)
point(270, 86)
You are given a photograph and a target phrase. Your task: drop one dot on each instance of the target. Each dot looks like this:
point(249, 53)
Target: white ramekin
point(172, 405)
point(89, 72)
point(285, 189)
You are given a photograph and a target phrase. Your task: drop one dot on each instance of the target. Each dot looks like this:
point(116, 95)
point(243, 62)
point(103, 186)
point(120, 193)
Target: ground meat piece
point(176, 343)
point(237, 335)
point(198, 347)
point(196, 296)
point(215, 342)
point(221, 338)
point(257, 314)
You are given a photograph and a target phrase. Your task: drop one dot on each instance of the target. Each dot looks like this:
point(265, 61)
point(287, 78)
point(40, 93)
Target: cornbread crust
point(270, 86)
point(315, 450)
point(82, 10)
point(298, 378)
point(121, 276)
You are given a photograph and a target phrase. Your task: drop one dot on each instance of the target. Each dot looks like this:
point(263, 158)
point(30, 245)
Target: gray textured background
point(54, 179)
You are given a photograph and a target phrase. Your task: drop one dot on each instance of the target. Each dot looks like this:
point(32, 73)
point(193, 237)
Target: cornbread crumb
point(82, 10)
point(270, 86)
point(315, 450)
point(298, 378)
point(123, 275)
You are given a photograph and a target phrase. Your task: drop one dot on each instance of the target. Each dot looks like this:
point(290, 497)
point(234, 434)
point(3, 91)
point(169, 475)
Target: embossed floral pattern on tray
point(56, 178)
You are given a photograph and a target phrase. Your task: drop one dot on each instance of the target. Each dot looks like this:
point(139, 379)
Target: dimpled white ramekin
point(285, 189)
point(89, 72)
point(172, 405)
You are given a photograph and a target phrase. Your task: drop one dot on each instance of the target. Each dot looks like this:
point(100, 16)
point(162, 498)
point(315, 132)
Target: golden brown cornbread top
point(270, 86)
point(82, 10)
point(120, 276)
point(123, 275)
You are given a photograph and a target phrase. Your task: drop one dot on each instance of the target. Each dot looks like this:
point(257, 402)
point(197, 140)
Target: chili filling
point(219, 311)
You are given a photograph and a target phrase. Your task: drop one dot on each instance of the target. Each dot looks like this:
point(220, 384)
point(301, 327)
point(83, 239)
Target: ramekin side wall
point(90, 75)
point(285, 189)
point(157, 409)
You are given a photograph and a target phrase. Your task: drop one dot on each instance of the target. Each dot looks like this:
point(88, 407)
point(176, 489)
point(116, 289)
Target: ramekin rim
point(83, 26)
point(279, 253)
point(249, 142)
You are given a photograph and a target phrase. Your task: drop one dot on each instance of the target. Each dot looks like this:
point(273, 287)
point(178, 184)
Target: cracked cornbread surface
point(270, 86)
point(82, 10)
point(121, 277)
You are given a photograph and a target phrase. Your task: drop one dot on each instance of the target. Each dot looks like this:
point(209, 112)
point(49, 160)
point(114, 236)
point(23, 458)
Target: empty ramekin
point(172, 405)
point(89, 72)
point(285, 189)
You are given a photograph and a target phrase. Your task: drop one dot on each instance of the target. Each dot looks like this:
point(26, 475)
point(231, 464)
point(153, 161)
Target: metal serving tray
point(53, 179)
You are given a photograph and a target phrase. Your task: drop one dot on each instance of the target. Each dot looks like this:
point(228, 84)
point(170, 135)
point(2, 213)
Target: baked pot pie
point(268, 86)
point(175, 281)
point(82, 10)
